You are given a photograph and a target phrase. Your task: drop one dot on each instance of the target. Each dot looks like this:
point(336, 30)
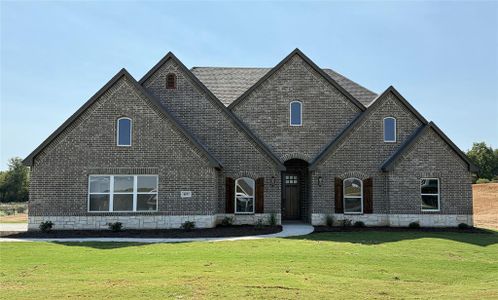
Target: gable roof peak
point(314, 66)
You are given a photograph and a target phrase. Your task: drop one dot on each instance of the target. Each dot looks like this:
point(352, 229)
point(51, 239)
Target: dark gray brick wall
point(362, 153)
point(430, 157)
point(238, 154)
point(59, 178)
point(325, 111)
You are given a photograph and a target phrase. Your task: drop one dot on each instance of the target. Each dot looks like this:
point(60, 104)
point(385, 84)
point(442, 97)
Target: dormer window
point(123, 129)
point(296, 113)
point(171, 81)
point(389, 130)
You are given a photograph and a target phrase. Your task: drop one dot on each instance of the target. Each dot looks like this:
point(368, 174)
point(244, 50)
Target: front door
point(291, 199)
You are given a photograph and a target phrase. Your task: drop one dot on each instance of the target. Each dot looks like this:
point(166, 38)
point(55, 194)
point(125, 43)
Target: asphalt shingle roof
point(229, 83)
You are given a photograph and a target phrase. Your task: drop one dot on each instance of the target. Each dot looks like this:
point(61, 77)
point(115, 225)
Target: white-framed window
point(296, 113)
point(122, 193)
point(353, 196)
point(244, 195)
point(429, 194)
point(390, 130)
point(123, 132)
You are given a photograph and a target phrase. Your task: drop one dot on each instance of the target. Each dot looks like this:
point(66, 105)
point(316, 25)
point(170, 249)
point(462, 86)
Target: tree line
point(14, 183)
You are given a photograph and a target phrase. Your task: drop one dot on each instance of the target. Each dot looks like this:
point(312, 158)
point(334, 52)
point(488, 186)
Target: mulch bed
point(229, 231)
point(319, 229)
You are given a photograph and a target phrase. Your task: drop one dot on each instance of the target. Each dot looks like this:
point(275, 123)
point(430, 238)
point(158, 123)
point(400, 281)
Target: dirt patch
point(229, 231)
point(17, 218)
point(485, 205)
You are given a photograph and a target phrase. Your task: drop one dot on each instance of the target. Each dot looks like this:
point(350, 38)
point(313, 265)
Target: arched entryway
point(295, 190)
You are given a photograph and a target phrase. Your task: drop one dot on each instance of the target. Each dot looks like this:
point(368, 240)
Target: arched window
point(244, 195)
point(353, 196)
point(123, 131)
point(296, 113)
point(389, 129)
point(171, 81)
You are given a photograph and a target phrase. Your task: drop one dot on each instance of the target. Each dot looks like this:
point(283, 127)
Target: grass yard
point(352, 265)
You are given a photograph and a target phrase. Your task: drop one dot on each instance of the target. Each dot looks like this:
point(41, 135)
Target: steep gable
point(121, 80)
point(200, 111)
point(421, 136)
point(326, 108)
point(364, 135)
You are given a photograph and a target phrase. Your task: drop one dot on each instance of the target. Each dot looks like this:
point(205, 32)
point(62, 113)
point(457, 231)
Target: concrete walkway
point(13, 226)
point(288, 231)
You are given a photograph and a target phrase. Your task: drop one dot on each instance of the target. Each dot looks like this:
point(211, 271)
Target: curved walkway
point(288, 230)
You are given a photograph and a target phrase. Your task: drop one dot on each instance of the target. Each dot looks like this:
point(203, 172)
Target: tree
point(485, 158)
point(14, 183)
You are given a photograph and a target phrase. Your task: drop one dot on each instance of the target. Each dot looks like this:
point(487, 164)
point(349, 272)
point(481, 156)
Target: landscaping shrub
point(329, 220)
point(346, 223)
point(273, 220)
point(482, 180)
point(46, 226)
point(463, 226)
point(21, 209)
point(227, 221)
point(414, 225)
point(116, 226)
point(188, 225)
point(359, 224)
point(259, 224)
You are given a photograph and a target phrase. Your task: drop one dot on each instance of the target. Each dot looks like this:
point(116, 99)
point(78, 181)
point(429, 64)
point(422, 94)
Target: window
point(429, 193)
point(122, 193)
point(296, 113)
point(291, 179)
point(389, 129)
point(124, 132)
point(244, 195)
point(171, 81)
point(353, 196)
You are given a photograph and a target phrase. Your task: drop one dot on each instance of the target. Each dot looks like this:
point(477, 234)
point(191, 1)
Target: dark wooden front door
point(291, 197)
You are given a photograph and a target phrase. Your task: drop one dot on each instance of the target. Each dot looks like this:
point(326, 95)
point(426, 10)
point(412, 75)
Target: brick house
point(296, 141)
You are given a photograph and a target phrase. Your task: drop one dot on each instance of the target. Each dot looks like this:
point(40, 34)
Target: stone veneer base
point(143, 222)
point(398, 220)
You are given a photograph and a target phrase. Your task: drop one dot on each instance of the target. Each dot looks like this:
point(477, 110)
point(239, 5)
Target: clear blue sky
point(442, 56)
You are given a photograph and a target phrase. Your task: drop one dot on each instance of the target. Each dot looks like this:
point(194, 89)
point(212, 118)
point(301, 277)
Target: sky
point(441, 56)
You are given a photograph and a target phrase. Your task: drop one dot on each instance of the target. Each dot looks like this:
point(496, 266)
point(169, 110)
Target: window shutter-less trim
point(260, 195)
point(229, 195)
point(367, 196)
point(338, 196)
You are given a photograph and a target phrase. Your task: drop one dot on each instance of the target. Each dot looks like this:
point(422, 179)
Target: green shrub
point(21, 209)
point(346, 223)
point(482, 180)
point(414, 225)
point(116, 226)
point(272, 220)
point(359, 224)
point(227, 221)
point(464, 226)
point(259, 223)
point(329, 220)
point(46, 226)
point(188, 225)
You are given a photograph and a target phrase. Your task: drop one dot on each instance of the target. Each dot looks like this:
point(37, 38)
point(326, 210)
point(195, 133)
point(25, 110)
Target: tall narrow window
point(244, 195)
point(124, 132)
point(390, 129)
point(296, 113)
point(429, 192)
point(171, 81)
point(353, 196)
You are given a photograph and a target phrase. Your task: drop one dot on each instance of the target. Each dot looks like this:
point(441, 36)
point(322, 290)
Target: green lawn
point(320, 266)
